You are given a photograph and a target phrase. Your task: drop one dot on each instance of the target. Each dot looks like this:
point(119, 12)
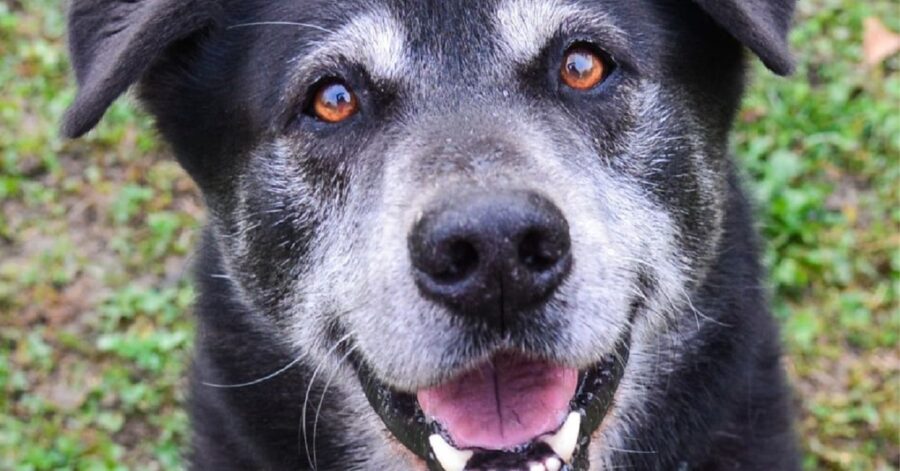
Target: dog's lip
point(406, 421)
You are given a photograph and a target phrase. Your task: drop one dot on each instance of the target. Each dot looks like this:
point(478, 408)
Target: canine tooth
point(536, 467)
point(450, 458)
point(564, 441)
point(553, 464)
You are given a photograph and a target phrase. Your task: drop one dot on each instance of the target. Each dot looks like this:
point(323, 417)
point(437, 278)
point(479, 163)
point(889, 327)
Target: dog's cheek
point(266, 234)
point(697, 210)
point(683, 169)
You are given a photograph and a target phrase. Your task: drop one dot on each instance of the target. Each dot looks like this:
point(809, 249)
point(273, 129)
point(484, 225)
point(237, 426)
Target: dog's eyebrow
point(376, 41)
point(525, 26)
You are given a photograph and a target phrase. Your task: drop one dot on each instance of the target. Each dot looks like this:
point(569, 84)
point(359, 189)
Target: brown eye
point(335, 102)
point(582, 69)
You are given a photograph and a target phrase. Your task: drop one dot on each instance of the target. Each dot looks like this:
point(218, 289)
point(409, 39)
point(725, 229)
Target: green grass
point(95, 240)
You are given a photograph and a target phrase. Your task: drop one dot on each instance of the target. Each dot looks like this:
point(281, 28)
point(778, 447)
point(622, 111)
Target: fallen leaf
point(879, 43)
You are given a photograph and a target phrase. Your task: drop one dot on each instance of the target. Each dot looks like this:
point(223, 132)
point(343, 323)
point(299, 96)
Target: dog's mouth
point(510, 413)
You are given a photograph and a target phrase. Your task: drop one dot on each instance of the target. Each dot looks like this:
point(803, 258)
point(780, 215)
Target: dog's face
point(481, 215)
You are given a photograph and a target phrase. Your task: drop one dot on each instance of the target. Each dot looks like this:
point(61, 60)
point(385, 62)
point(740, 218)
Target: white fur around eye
point(525, 26)
point(377, 41)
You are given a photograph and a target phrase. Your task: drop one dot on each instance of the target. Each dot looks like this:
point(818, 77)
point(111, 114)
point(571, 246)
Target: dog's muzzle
point(492, 259)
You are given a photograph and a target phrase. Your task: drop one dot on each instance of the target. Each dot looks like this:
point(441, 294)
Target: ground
point(96, 239)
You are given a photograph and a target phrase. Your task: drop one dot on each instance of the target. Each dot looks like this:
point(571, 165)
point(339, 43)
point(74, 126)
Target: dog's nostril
point(461, 259)
point(538, 252)
point(490, 255)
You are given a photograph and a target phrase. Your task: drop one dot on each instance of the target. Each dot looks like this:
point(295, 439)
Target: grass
point(95, 238)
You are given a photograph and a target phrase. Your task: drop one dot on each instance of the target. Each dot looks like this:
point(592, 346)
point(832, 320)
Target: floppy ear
point(113, 42)
point(761, 25)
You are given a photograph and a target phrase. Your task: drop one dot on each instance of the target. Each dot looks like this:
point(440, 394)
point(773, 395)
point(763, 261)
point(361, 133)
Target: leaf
point(879, 43)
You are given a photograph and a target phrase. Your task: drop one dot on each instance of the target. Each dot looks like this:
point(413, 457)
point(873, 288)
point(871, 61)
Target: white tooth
point(450, 458)
point(536, 467)
point(564, 441)
point(553, 464)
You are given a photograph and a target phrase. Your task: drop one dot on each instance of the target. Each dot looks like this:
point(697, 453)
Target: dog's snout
point(491, 255)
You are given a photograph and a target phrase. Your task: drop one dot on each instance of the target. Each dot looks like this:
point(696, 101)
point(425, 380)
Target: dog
point(457, 235)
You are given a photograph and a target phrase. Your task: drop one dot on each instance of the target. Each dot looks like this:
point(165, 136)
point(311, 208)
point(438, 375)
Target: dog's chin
point(513, 412)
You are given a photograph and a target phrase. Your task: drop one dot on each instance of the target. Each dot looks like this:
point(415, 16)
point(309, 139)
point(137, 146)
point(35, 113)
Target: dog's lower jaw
point(566, 446)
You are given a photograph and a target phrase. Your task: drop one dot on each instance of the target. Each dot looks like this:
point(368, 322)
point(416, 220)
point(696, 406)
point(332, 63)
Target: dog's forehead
point(394, 38)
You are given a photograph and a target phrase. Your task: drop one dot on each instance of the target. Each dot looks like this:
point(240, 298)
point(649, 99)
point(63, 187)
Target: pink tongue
point(503, 403)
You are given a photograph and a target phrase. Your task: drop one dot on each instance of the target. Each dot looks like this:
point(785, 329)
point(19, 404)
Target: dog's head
point(484, 207)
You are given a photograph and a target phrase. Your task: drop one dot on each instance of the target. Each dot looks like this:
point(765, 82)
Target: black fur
point(218, 93)
point(761, 25)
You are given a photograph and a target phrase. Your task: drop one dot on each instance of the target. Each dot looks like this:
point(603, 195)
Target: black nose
point(491, 255)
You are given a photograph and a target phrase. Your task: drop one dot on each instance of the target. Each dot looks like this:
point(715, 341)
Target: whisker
point(280, 23)
point(259, 380)
point(312, 381)
point(322, 401)
point(625, 450)
point(698, 314)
